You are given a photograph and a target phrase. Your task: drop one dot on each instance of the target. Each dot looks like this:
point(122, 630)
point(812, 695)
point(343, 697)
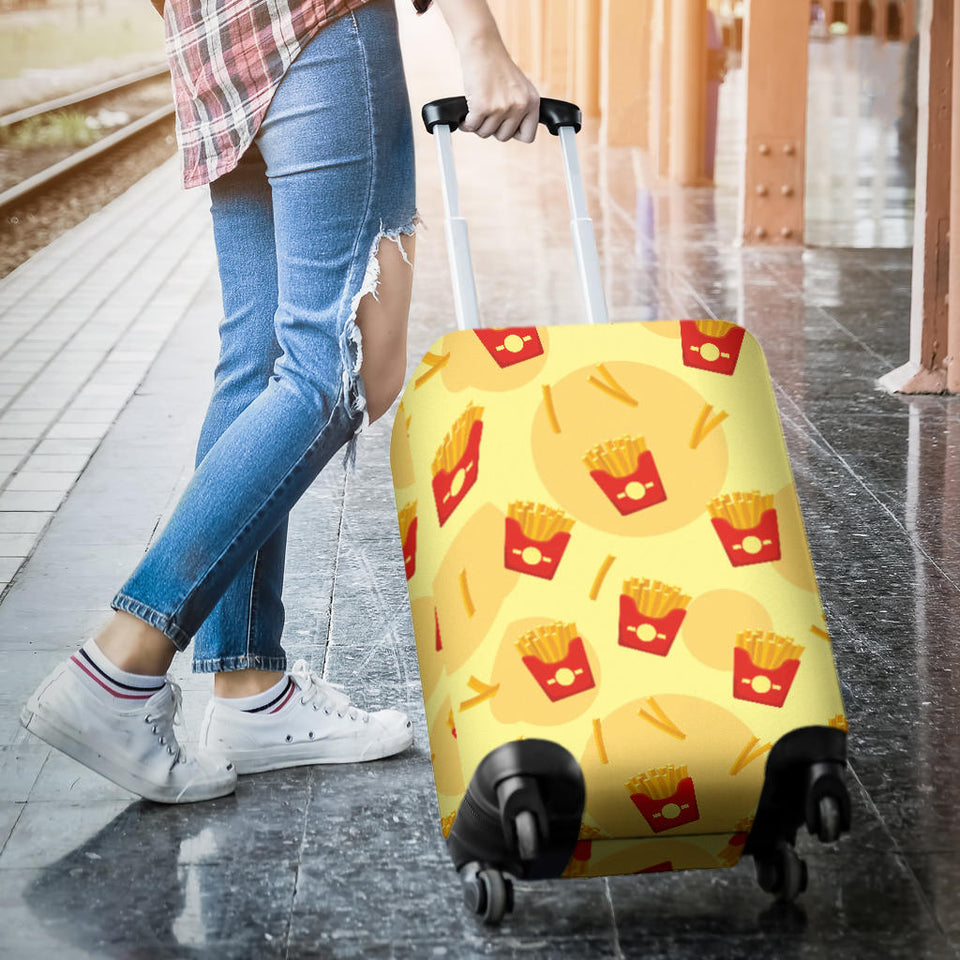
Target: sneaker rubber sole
point(52, 733)
point(280, 756)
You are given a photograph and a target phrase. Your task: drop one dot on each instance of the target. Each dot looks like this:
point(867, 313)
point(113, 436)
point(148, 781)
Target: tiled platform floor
point(349, 862)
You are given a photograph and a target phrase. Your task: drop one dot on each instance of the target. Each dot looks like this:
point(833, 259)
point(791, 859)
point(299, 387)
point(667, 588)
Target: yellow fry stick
point(620, 395)
point(601, 573)
point(484, 692)
point(817, 631)
point(609, 377)
point(703, 427)
point(551, 413)
point(659, 711)
point(748, 754)
point(436, 363)
point(598, 740)
point(660, 720)
point(465, 594)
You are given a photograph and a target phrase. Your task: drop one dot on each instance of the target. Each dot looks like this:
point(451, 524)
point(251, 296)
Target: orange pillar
point(659, 111)
point(953, 314)
point(908, 19)
point(536, 35)
point(586, 78)
point(530, 37)
point(688, 89)
point(504, 15)
point(570, 61)
point(521, 49)
point(775, 63)
point(934, 325)
point(880, 19)
point(556, 14)
point(625, 31)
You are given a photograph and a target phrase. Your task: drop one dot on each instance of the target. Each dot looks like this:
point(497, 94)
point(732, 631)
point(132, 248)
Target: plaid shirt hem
point(227, 58)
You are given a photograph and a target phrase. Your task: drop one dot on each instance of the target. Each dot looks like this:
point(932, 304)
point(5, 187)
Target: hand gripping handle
point(452, 111)
point(561, 119)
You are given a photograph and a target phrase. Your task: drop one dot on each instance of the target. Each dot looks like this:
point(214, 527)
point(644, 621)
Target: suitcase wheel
point(782, 873)
point(827, 823)
point(487, 893)
point(528, 835)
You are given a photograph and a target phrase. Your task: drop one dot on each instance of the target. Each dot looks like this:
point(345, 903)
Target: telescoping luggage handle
point(561, 119)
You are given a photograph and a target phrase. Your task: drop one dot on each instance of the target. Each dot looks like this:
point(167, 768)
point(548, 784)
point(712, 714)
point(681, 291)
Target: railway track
point(82, 100)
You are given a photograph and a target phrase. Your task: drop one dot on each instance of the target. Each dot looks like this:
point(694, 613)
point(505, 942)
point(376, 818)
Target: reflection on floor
point(349, 862)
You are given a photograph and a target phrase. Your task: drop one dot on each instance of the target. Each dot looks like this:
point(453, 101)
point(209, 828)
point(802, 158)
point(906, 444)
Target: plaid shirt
point(227, 58)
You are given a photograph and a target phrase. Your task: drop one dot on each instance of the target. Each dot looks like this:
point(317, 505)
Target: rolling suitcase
point(624, 659)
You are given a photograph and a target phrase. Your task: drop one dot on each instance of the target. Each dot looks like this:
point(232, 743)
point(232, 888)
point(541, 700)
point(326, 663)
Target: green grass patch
point(65, 128)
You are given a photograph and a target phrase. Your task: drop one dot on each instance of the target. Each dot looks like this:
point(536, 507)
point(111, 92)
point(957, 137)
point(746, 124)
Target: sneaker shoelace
point(163, 718)
point(325, 696)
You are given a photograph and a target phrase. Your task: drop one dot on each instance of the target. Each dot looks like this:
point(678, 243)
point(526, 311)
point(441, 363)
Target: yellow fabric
point(647, 465)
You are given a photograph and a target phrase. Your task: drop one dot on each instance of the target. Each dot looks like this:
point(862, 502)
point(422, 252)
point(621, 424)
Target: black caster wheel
point(488, 895)
point(827, 827)
point(782, 873)
point(499, 896)
point(528, 836)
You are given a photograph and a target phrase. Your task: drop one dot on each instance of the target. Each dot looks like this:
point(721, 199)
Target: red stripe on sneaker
point(286, 699)
point(122, 696)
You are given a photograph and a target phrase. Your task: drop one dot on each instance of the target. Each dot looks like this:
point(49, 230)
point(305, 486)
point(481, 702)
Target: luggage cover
point(603, 547)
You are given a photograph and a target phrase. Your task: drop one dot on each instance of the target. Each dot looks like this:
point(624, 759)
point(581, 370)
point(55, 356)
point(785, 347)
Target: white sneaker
point(134, 746)
point(316, 723)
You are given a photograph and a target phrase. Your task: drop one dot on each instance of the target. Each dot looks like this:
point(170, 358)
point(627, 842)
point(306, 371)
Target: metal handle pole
point(581, 228)
point(458, 242)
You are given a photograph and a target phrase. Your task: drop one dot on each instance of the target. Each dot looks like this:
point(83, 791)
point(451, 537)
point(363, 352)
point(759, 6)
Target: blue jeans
point(297, 225)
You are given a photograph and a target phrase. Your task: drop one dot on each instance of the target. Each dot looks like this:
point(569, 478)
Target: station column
point(775, 60)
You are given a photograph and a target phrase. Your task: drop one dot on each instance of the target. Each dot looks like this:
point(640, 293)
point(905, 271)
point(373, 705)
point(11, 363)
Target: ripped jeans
point(297, 226)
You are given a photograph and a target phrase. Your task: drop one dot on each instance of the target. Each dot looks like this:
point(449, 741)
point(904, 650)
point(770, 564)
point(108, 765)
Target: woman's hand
point(501, 99)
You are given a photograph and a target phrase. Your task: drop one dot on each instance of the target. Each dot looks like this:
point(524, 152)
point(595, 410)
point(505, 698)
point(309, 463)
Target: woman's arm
point(502, 101)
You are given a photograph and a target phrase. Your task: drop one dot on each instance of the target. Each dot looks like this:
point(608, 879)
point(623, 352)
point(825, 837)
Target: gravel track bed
point(17, 163)
point(68, 201)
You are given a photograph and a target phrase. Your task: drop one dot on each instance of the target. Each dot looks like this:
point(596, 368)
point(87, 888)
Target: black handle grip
point(452, 111)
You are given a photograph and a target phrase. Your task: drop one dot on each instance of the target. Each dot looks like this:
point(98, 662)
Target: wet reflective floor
point(348, 861)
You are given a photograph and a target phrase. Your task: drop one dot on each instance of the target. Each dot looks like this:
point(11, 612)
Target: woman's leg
point(340, 169)
point(243, 631)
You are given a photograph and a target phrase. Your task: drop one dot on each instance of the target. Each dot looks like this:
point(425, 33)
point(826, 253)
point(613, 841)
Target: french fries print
point(510, 345)
point(625, 471)
point(711, 345)
point(555, 656)
point(408, 537)
point(752, 750)
point(535, 538)
point(591, 536)
point(651, 613)
point(764, 667)
point(730, 855)
point(665, 796)
point(456, 462)
point(746, 524)
point(578, 864)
